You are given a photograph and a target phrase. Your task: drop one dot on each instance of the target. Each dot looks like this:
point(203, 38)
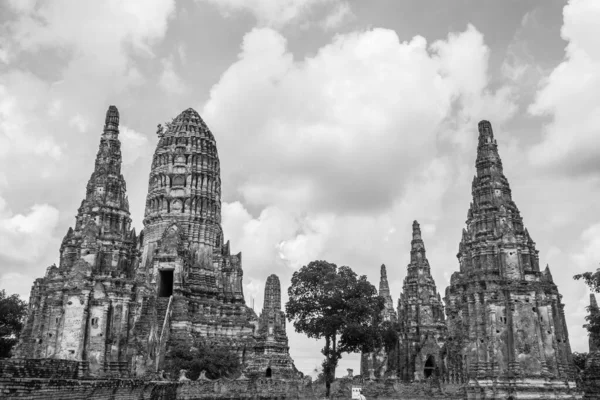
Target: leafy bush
point(13, 311)
point(202, 356)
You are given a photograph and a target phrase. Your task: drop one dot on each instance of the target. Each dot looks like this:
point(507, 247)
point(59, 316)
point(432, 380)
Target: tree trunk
point(334, 360)
point(330, 363)
point(326, 367)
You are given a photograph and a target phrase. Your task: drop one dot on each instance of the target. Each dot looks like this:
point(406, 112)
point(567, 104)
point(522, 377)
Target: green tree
point(579, 360)
point(335, 304)
point(216, 361)
point(12, 316)
point(592, 279)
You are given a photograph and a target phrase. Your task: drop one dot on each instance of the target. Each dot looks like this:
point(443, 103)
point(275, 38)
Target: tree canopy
point(335, 304)
point(12, 315)
point(216, 361)
point(592, 279)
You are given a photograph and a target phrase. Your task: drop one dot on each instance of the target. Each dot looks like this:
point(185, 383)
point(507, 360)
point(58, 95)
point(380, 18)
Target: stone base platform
point(521, 389)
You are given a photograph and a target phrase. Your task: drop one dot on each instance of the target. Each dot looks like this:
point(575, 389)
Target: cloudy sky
point(338, 123)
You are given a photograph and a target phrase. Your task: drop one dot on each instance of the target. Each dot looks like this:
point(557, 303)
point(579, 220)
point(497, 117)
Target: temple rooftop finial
point(416, 230)
point(485, 128)
point(383, 271)
point(112, 116)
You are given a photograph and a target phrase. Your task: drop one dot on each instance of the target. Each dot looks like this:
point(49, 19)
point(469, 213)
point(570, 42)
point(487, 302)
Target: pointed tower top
point(272, 293)
point(485, 129)
point(416, 233)
point(187, 122)
point(548, 274)
point(383, 271)
point(593, 302)
point(384, 291)
point(111, 122)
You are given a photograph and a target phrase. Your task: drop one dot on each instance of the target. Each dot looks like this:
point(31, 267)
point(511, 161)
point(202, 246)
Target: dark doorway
point(269, 373)
point(429, 367)
point(165, 288)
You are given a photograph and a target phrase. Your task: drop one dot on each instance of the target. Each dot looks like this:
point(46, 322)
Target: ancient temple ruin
point(381, 363)
point(189, 284)
point(506, 323)
point(80, 310)
point(271, 351)
point(118, 302)
point(422, 328)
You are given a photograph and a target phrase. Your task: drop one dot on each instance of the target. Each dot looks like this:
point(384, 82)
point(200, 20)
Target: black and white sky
point(338, 123)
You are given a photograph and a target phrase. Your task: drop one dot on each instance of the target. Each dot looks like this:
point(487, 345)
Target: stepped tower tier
point(272, 357)
point(190, 284)
point(506, 326)
point(80, 309)
point(422, 328)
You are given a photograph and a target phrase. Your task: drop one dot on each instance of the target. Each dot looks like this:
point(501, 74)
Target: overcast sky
point(338, 123)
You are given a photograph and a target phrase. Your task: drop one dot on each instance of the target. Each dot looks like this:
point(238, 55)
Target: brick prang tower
point(506, 326)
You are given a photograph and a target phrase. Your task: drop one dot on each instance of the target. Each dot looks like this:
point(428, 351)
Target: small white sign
point(356, 392)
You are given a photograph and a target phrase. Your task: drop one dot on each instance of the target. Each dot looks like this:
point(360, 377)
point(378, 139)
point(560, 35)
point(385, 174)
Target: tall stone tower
point(421, 317)
point(80, 309)
point(380, 363)
point(594, 340)
point(190, 284)
point(389, 314)
point(506, 324)
point(271, 352)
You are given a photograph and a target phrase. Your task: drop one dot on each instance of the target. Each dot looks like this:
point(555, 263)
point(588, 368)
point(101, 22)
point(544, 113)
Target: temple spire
point(384, 291)
point(111, 122)
point(417, 252)
point(272, 299)
point(593, 340)
point(488, 161)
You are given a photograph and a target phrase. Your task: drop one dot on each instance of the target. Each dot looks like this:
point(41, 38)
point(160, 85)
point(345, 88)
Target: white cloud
point(588, 258)
point(25, 237)
point(571, 96)
point(349, 124)
point(93, 63)
point(20, 133)
point(279, 13)
point(341, 14)
point(133, 145)
point(64, 23)
point(169, 81)
point(79, 122)
point(16, 283)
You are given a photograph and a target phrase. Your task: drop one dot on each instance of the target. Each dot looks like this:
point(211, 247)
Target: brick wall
point(43, 368)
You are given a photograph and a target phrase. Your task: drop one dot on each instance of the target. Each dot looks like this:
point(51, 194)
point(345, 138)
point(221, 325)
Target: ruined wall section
point(78, 311)
point(505, 317)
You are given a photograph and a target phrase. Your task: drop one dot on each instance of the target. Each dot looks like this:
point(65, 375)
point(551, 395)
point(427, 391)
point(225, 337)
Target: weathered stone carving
point(506, 327)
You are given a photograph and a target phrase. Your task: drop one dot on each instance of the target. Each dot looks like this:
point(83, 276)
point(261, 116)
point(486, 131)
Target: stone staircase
point(161, 309)
point(163, 325)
